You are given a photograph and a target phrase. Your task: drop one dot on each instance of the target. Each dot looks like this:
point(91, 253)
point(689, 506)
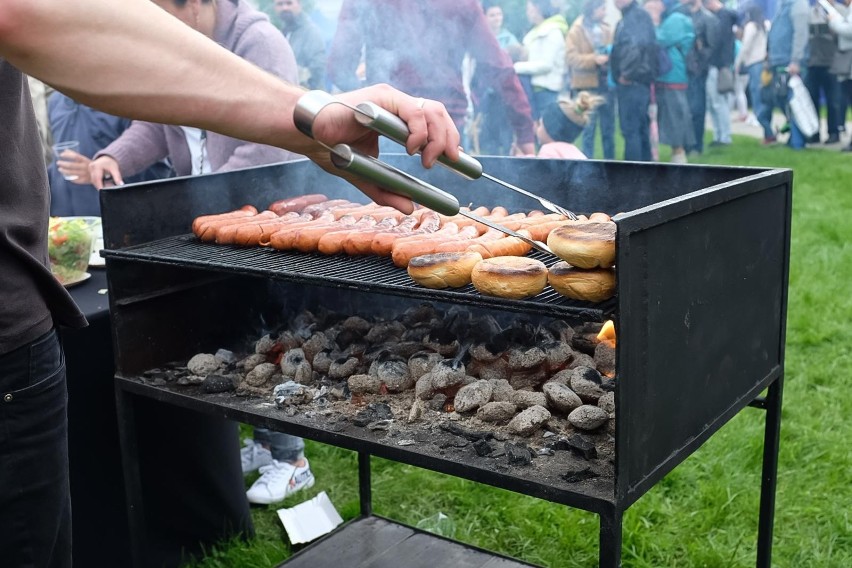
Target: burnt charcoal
point(346, 337)
point(588, 417)
point(545, 452)
point(379, 425)
point(356, 349)
point(471, 435)
point(607, 402)
point(406, 443)
point(217, 383)
point(481, 353)
point(496, 412)
point(417, 334)
point(364, 384)
point(581, 446)
point(585, 343)
point(155, 382)
point(203, 364)
point(445, 442)
point(483, 329)
point(155, 374)
point(529, 421)
point(588, 374)
point(419, 314)
point(561, 330)
point(518, 454)
point(502, 391)
point(607, 384)
point(381, 410)
point(338, 426)
point(482, 448)
point(472, 396)
point(438, 402)
point(377, 353)
point(586, 383)
point(560, 397)
point(291, 393)
point(578, 475)
point(265, 344)
point(225, 356)
point(363, 418)
point(385, 332)
point(404, 349)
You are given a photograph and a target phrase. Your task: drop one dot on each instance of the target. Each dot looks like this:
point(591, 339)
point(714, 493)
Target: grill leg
point(125, 410)
point(365, 489)
point(609, 555)
point(771, 438)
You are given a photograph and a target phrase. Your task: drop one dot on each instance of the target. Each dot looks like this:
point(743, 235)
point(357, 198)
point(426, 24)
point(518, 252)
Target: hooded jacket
point(245, 32)
point(676, 35)
point(634, 49)
point(580, 55)
point(545, 62)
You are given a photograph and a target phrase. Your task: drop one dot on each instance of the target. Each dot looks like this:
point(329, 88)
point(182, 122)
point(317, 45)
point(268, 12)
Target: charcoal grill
point(702, 258)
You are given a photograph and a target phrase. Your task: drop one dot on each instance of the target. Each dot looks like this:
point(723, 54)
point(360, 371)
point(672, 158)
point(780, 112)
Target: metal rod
point(769, 478)
point(609, 555)
point(365, 488)
point(544, 202)
point(125, 404)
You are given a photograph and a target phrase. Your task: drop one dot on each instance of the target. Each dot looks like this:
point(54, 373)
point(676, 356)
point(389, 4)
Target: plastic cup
point(67, 145)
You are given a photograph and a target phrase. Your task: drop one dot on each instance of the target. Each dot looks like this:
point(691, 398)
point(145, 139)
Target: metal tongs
point(376, 118)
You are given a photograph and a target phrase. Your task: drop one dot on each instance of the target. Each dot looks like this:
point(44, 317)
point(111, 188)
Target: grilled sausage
point(430, 223)
point(296, 204)
point(332, 242)
point(244, 211)
point(227, 235)
point(403, 252)
point(211, 229)
point(507, 246)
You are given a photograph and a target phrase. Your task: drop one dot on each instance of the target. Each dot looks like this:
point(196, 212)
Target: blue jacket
point(634, 48)
point(676, 34)
point(788, 36)
point(70, 120)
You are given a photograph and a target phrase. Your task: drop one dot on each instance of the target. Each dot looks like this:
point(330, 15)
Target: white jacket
point(843, 29)
point(545, 63)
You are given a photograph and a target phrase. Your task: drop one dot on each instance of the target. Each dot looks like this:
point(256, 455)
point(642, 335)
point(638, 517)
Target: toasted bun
point(514, 277)
point(443, 269)
point(584, 245)
point(591, 285)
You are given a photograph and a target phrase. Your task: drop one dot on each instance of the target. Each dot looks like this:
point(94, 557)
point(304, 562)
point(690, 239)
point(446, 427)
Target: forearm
point(799, 16)
point(175, 75)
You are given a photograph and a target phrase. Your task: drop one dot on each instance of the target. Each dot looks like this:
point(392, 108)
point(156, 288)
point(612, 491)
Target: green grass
point(704, 513)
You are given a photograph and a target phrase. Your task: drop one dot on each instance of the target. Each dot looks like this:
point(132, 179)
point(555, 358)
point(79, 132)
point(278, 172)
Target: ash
point(445, 383)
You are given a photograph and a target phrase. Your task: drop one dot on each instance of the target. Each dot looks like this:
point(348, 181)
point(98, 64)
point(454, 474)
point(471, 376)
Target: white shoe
point(254, 456)
point(278, 481)
point(679, 158)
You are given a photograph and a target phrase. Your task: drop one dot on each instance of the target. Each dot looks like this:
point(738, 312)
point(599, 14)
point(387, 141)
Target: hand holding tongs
point(347, 158)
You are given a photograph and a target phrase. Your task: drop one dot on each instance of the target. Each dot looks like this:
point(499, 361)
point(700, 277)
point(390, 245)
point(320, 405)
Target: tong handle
point(347, 158)
point(388, 124)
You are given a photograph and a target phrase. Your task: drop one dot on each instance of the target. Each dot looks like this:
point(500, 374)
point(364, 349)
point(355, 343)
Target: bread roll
point(443, 269)
point(584, 245)
point(514, 277)
point(591, 285)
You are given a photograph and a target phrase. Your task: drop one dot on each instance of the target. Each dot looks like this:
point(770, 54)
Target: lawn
point(704, 513)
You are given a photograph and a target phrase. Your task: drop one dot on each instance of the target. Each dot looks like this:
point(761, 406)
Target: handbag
point(725, 81)
point(841, 65)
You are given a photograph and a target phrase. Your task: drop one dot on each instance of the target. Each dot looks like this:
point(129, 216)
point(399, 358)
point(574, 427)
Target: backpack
point(664, 61)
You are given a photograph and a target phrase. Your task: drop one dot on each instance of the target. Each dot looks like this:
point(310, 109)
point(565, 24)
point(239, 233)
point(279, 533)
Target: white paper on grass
point(310, 520)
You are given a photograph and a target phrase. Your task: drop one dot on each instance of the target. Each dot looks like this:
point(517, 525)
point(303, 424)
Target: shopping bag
point(802, 107)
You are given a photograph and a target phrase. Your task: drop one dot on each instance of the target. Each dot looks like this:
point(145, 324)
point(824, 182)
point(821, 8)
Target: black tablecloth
point(99, 513)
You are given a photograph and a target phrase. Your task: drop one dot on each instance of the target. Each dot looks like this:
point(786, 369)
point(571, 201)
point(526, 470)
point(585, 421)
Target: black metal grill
point(369, 273)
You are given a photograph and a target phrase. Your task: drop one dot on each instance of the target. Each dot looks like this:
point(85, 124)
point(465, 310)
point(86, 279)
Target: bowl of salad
point(69, 245)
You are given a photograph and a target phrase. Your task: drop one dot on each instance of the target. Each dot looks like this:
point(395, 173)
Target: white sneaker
point(254, 456)
point(278, 481)
point(679, 158)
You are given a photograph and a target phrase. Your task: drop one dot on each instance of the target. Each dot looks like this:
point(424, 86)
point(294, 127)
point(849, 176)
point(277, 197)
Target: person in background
point(820, 81)
point(842, 27)
point(306, 41)
point(403, 47)
point(633, 64)
point(787, 46)
point(705, 26)
point(70, 120)
point(544, 54)
point(751, 56)
point(495, 136)
point(40, 94)
point(674, 34)
point(242, 30)
point(162, 72)
point(587, 49)
point(721, 61)
point(561, 123)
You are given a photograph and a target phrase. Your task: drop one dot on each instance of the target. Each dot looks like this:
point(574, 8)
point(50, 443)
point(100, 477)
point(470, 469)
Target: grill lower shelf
point(375, 274)
point(374, 542)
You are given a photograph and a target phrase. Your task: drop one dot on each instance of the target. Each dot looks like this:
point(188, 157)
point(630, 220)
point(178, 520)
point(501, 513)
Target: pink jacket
point(560, 151)
point(248, 33)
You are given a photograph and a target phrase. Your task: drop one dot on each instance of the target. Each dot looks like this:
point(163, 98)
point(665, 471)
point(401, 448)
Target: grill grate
point(369, 273)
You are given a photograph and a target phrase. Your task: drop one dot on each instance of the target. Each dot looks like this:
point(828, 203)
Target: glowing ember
point(449, 407)
point(607, 332)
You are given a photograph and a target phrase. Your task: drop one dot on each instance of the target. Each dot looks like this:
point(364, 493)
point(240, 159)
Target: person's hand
point(601, 59)
point(432, 133)
point(622, 80)
point(524, 150)
point(74, 166)
point(104, 172)
point(793, 68)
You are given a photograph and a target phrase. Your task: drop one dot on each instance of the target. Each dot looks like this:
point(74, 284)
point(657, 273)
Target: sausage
point(463, 245)
point(282, 239)
point(296, 204)
point(507, 246)
point(227, 235)
point(332, 242)
point(430, 222)
point(361, 242)
point(319, 208)
point(211, 229)
point(307, 238)
point(403, 252)
point(253, 234)
point(244, 211)
point(373, 210)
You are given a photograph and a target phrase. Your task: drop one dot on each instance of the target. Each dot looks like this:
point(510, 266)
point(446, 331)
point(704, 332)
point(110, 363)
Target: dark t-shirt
point(31, 299)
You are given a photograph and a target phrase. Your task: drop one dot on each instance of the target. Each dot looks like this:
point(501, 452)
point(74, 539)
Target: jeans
point(696, 93)
point(283, 447)
point(754, 87)
point(633, 102)
point(605, 115)
point(35, 498)
point(720, 108)
point(820, 79)
point(771, 101)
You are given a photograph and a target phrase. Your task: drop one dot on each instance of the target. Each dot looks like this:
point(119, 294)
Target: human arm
point(97, 52)
point(799, 13)
point(74, 166)
point(578, 54)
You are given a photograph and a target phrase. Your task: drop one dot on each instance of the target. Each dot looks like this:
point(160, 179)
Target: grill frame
point(744, 212)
